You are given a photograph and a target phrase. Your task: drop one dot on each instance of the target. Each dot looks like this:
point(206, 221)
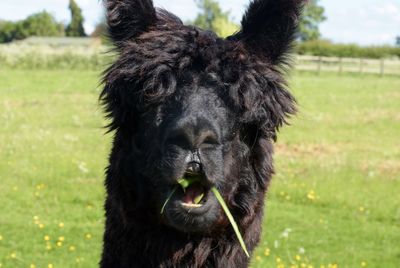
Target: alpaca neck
point(155, 245)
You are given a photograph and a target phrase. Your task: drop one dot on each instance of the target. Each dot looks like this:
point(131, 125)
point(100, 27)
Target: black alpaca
point(182, 99)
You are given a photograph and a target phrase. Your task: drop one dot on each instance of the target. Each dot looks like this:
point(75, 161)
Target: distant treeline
point(39, 24)
point(43, 24)
point(328, 49)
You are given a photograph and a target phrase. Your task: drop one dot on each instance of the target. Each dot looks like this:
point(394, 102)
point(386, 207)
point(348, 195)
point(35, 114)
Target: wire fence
point(320, 64)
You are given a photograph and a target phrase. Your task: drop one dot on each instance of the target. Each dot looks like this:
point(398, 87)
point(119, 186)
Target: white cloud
point(366, 22)
point(388, 8)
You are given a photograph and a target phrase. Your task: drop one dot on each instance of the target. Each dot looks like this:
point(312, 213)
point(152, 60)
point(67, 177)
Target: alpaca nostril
point(193, 167)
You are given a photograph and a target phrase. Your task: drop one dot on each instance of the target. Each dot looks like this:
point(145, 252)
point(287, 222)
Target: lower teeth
point(192, 205)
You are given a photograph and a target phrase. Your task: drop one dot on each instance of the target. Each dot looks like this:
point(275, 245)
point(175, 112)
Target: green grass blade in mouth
point(231, 219)
point(198, 198)
point(186, 182)
point(168, 198)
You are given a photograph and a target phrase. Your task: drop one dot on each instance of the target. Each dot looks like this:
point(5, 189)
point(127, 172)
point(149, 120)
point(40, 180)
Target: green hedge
point(40, 56)
point(17, 56)
point(328, 49)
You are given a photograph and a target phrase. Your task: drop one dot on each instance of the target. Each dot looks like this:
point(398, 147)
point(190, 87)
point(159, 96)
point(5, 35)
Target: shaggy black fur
point(177, 96)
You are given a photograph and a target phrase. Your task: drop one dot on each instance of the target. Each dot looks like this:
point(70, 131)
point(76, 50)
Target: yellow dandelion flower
point(310, 266)
point(41, 225)
point(15, 188)
point(1, 237)
point(77, 260)
point(322, 266)
point(48, 247)
point(303, 265)
point(37, 194)
point(267, 252)
point(298, 258)
point(280, 266)
point(50, 265)
point(363, 264)
point(59, 244)
point(40, 186)
point(311, 195)
point(13, 255)
point(72, 248)
point(61, 225)
point(361, 209)
point(278, 259)
point(258, 258)
point(294, 266)
point(36, 218)
point(88, 236)
point(46, 238)
point(61, 238)
point(32, 266)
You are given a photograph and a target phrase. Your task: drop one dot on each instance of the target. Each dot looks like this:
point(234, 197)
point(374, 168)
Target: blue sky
point(357, 21)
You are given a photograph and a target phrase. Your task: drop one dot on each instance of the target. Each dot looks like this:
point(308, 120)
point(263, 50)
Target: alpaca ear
point(269, 27)
point(127, 19)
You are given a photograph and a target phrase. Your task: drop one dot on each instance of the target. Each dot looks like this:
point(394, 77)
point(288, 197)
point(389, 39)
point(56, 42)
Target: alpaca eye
point(210, 140)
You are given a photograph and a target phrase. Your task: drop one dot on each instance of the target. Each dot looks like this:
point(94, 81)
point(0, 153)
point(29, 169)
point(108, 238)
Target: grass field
point(334, 202)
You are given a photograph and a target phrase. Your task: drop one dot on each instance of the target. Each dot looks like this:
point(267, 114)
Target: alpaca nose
point(193, 162)
point(193, 136)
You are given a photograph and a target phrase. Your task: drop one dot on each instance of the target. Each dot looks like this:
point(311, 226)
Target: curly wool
point(158, 56)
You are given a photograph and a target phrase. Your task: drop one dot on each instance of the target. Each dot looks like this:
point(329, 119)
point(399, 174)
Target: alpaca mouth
point(190, 205)
point(194, 195)
point(193, 185)
point(191, 191)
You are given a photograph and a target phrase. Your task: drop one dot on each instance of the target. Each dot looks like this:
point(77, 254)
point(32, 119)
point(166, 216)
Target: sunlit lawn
point(334, 202)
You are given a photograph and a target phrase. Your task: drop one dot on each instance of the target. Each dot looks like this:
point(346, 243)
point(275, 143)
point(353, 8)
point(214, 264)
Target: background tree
point(38, 24)
point(398, 41)
point(211, 17)
point(75, 28)
point(313, 16)
point(100, 30)
point(7, 31)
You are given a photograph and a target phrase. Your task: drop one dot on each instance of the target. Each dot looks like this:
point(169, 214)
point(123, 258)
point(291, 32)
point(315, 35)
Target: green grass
point(334, 200)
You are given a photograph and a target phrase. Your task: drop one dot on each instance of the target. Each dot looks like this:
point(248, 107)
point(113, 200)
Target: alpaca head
point(184, 102)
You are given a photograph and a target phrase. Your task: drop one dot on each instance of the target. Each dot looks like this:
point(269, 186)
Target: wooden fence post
point(382, 67)
point(341, 65)
point(319, 66)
